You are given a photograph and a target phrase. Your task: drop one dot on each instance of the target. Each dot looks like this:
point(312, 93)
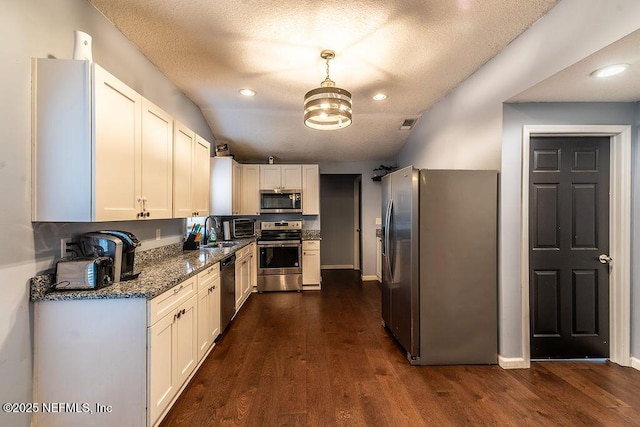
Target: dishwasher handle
point(228, 260)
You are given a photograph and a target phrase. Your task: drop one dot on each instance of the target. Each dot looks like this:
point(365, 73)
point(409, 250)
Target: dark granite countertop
point(156, 276)
point(378, 232)
point(311, 235)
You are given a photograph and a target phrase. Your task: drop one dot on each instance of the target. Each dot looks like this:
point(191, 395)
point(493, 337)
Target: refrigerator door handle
point(385, 231)
point(389, 252)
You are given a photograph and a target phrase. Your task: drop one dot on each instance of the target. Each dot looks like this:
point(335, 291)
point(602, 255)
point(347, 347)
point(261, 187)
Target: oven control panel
point(281, 225)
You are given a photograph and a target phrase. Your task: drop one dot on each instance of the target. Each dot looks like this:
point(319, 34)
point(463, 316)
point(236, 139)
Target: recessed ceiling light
point(379, 96)
point(610, 70)
point(247, 92)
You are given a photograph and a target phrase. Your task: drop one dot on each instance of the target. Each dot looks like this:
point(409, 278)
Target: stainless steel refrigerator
point(439, 285)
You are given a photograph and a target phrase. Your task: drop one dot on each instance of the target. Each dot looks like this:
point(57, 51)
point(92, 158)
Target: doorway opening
point(619, 234)
point(340, 203)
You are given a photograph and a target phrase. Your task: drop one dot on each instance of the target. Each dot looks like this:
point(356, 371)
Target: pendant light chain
point(327, 69)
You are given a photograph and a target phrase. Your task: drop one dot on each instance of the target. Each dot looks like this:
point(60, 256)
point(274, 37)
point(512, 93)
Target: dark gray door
point(568, 231)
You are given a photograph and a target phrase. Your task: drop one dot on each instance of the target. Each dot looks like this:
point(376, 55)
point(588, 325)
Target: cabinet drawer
point(311, 245)
point(243, 252)
point(164, 303)
point(206, 276)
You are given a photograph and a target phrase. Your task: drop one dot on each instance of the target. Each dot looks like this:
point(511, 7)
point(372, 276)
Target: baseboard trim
point(369, 277)
point(635, 363)
point(337, 267)
point(513, 363)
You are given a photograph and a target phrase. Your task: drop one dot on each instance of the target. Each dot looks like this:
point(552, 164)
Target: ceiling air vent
point(408, 124)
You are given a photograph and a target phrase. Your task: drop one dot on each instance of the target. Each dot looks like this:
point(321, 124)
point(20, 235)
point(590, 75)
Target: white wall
point(515, 117)
point(464, 130)
point(371, 208)
point(41, 28)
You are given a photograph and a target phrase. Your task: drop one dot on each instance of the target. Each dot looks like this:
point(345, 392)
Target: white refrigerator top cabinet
point(89, 150)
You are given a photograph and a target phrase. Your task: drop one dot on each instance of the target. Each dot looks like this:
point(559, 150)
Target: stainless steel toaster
point(84, 273)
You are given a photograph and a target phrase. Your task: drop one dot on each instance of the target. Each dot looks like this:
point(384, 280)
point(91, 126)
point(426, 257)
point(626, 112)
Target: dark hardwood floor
point(323, 359)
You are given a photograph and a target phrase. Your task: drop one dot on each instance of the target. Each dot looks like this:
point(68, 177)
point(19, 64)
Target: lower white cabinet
point(130, 355)
point(173, 354)
point(311, 262)
point(244, 274)
point(208, 309)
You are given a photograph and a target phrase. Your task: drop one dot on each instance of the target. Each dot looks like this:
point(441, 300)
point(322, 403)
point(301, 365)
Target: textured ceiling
point(575, 84)
point(415, 51)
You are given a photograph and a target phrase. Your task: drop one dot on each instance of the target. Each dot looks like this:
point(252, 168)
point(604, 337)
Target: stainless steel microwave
point(280, 201)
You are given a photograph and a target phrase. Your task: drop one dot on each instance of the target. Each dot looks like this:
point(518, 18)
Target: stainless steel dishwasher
point(228, 291)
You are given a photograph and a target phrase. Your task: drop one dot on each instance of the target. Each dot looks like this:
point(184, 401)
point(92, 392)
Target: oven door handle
point(280, 244)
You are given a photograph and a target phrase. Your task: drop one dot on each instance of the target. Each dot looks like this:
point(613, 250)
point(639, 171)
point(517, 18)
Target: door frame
point(357, 227)
point(619, 233)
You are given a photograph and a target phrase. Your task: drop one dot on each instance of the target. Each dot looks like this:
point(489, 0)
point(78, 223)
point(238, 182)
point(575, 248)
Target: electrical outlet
point(63, 246)
point(157, 234)
point(378, 221)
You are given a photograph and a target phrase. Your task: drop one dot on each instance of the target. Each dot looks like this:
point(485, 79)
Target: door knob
point(605, 259)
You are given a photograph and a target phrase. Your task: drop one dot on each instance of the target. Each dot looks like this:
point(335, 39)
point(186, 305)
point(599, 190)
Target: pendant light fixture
point(328, 107)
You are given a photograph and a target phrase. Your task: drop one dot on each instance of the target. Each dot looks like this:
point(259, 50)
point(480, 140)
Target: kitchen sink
point(221, 245)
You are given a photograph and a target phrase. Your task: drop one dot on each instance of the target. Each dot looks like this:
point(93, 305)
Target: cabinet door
point(117, 113)
point(310, 267)
point(214, 309)
point(246, 277)
point(291, 177)
point(253, 265)
point(236, 187)
point(186, 339)
point(310, 190)
point(162, 357)
point(157, 162)
point(269, 177)
point(250, 190)
point(201, 179)
point(239, 284)
point(183, 143)
point(204, 322)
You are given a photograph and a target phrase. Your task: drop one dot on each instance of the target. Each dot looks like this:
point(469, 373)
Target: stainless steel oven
point(280, 256)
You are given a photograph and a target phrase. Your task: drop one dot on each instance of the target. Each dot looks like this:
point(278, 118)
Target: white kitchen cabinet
point(311, 262)
point(379, 259)
point(190, 173)
point(310, 190)
point(250, 190)
point(157, 162)
point(254, 266)
point(115, 146)
point(201, 177)
point(88, 151)
point(186, 339)
point(243, 275)
point(236, 188)
point(173, 344)
point(274, 177)
point(226, 186)
point(208, 309)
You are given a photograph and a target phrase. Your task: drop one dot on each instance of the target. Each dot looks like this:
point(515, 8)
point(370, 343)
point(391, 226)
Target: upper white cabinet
point(274, 177)
point(101, 152)
point(87, 144)
point(157, 162)
point(310, 190)
point(201, 176)
point(226, 186)
point(250, 190)
point(191, 155)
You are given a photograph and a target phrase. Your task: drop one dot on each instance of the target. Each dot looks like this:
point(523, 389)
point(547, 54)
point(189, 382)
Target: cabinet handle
point(175, 291)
